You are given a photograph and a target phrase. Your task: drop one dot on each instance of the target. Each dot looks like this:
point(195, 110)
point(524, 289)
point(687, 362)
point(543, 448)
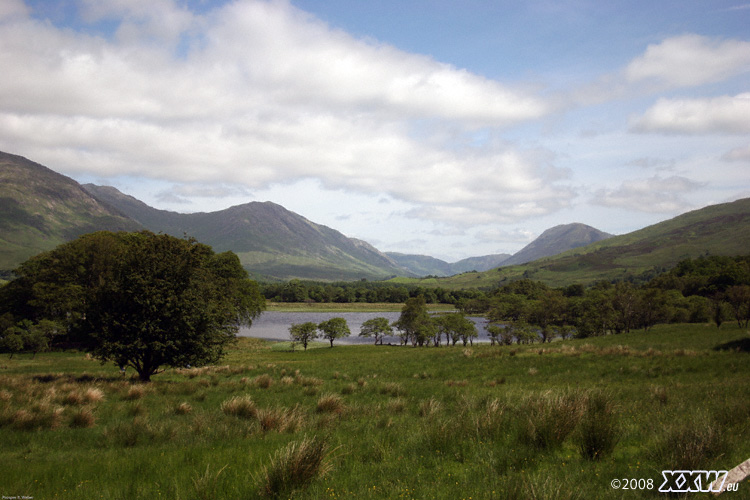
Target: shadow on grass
point(739, 345)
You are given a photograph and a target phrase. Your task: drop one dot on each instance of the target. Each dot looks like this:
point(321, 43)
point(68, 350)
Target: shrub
point(295, 466)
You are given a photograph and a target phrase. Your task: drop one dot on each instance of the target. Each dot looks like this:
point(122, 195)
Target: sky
point(434, 127)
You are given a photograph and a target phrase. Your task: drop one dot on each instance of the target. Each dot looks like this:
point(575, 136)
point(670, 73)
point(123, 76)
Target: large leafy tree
point(139, 299)
point(415, 323)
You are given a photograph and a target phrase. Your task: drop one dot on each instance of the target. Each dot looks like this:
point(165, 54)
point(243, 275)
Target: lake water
point(274, 325)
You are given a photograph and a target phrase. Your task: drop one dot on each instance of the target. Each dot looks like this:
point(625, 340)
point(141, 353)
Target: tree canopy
point(376, 327)
point(334, 328)
point(303, 332)
point(139, 299)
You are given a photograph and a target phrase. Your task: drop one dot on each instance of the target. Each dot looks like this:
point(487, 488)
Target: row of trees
point(530, 310)
point(139, 300)
point(331, 329)
point(360, 291)
point(415, 326)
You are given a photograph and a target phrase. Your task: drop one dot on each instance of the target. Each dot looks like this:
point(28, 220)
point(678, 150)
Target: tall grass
point(416, 423)
point(295, 466)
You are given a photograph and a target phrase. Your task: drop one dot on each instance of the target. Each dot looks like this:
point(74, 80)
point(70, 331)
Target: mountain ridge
point(38, 218)
point(270, 240)
point(556, 240)
point(425, 265)
point(722, 229)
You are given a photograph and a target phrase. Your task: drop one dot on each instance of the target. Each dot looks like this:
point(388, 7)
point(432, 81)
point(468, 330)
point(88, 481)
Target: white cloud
point(690, 60)
point(653, 195)
point(741, 154)
point(725, 114)
point(13, 8)
point(261, 93)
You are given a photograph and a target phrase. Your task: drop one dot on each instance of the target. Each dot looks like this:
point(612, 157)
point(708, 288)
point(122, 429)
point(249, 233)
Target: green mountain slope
point(423, 265)
point(715, 230)
point(556, 240)
point(39, 209)
point(271, 241)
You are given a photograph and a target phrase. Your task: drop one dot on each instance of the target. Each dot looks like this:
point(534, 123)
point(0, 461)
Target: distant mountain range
point(39, 209)
point(714, 230)
point(424, 265)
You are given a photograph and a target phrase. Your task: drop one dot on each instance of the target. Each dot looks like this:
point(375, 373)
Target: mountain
point(40, 209)
point(551, 242)
point(271, 241)
point(714, 230)
point(423, 265)
point(556, 240)
point(484, 263)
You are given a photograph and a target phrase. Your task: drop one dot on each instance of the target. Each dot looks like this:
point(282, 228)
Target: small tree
point(376, 327)
point(334, 328)
point(457, 326)
point(303, 332)
point(738, 297)
point(12, 341)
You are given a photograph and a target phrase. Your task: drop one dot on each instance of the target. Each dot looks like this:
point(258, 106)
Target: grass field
point(558, 421)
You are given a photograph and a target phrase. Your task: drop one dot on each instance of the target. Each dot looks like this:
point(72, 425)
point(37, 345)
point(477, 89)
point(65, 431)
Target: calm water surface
point(274, 325)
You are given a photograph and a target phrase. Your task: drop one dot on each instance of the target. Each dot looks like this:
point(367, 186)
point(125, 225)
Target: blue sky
point(451, 129)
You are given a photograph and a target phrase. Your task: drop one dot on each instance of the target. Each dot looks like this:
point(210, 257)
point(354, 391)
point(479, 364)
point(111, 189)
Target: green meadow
point(553, 421)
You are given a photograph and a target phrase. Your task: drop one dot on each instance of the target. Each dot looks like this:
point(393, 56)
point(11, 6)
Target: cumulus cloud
point(690, 60)
point(258, 93)
point(725, 114)
point(653, 195)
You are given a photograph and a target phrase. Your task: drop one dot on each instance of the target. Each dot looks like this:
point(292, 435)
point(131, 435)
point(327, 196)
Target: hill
point(40, 209)
point(423, 265)
point(557, 240)
point(714, 230)
point(271, 241)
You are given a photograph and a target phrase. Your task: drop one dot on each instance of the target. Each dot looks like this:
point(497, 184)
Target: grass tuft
point(599, 431)
point(295, 466)
point(330, 403)
point(240, 406)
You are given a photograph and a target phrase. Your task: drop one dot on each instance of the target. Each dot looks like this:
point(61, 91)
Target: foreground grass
point(555, 421)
